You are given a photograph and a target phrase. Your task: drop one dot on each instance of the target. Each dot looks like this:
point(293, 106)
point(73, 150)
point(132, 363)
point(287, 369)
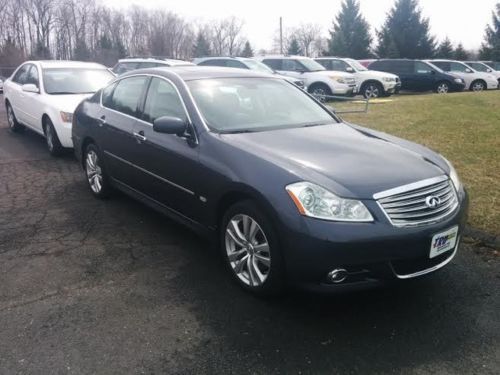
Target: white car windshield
point(311, 65)
point(356, 65)
point(67, 81)
point(233, 105)
point(258, 66)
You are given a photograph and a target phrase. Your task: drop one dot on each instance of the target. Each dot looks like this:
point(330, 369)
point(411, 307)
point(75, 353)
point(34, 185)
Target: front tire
point(251, 249)
point(320, 91)
point(442, 88)
point(53, 144)
point(372, 90)
point(478, 86)
point(97, 178)
point(14, 125)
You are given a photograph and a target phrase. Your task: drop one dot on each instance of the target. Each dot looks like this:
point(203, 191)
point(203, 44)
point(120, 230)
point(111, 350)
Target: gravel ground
point(92, 287)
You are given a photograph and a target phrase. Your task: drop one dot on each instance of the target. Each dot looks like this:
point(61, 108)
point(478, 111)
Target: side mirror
point(170, 125)
point(349, 69)
point(489, 70)
point(467, 70)
point(29, 87)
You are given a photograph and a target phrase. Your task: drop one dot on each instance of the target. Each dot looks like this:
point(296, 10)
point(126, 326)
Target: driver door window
point(162, 100)
point(458, 67)
point(32, 77)
point(22, 74)
point(421, 68)
point(338, 66)
point(292, 66)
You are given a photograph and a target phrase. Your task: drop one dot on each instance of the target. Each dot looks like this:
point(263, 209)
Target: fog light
point(338, 275)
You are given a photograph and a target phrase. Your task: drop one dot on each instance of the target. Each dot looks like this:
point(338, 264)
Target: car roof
point(170, 62)
point(66, 64)
point(190, 73)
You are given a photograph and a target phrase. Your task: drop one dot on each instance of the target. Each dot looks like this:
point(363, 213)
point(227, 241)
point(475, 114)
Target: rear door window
point(422, 68)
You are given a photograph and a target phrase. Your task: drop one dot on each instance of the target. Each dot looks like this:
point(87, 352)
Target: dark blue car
point(418, 75)
point(292, 194)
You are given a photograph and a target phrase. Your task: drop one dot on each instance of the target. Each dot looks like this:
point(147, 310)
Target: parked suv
point(132, 63)
point(474, 80)
point(318, 80)
point(495, 65)
point(417, 75)
point(485, 68)
point(371, 83)
point(244, 63)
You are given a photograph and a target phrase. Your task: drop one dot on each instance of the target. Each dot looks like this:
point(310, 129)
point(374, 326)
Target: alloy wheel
point(93, 171)
point(248, 250)
point(371, 92)
point(320, 94)
point(443, 88)
point(477, 86)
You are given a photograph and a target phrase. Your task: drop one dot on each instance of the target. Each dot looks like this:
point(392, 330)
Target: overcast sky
point(462, 20)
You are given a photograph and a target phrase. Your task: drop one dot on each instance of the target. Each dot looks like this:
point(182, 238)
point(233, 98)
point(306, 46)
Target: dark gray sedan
point(292, 194)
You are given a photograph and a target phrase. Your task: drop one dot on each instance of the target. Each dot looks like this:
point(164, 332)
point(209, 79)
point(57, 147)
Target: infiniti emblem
point(432, 201)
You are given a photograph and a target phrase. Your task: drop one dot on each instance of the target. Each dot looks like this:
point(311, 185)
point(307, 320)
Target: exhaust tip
point(337, 275)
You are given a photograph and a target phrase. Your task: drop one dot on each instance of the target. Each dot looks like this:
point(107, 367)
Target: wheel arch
point(479, 80)
point(86, 141)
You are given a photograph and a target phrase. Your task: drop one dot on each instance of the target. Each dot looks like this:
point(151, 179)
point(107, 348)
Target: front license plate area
point(443, 242)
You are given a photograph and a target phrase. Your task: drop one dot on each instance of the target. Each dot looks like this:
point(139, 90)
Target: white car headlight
point(314, 201)
point(337, 79)
point(66, 116)
point(389, 79)
point(459, 80)
point(453, 176)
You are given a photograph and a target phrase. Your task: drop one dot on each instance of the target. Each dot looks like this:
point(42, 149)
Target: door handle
point(101, 120)
point(140, 136)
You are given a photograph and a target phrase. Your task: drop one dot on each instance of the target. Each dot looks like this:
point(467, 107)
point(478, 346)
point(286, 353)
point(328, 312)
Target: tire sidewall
point(57, 148)
point(14, 126)
point(377, 85)
point(275, 281)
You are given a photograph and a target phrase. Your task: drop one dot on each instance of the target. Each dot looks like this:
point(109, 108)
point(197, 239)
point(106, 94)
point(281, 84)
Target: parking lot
point(111, 287)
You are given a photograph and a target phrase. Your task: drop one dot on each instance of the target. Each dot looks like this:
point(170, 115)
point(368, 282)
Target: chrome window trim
point(429, 270)
point(408, 187)
point(150, 173)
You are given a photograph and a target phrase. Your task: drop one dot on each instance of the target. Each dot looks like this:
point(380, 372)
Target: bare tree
point(307, 34)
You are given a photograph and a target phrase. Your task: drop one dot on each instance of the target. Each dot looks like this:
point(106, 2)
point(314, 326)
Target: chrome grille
point(409, 205)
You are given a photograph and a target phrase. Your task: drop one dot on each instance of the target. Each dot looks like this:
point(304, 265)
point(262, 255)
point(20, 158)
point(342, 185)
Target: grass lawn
point(464, 127)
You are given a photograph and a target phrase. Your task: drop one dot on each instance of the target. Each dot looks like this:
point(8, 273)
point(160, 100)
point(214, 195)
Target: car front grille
point(420, 203)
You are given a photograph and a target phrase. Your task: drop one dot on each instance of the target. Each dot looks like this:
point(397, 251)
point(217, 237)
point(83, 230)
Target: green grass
point(464, 127)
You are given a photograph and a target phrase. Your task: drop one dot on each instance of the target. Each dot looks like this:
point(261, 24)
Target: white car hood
point(375, 73)
point(67, 103)
point(335, 73)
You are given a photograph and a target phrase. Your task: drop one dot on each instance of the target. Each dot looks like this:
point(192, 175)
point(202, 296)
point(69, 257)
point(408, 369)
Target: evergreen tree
point(294, 47)
point(350, 36)
point(408, 30)
point(247, 50)
point(445, 49)
point(202, 46)
point(490, 49)
point(460, 53)
point(386, 47)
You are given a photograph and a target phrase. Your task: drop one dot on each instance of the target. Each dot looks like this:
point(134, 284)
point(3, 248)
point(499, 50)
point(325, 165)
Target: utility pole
point(281, 35)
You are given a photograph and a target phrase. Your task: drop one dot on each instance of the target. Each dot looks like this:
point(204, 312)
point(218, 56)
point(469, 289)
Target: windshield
point(311, 65)
point(231, 105)
point(75, 80)
point(356, 65)
point(479, 67)
point(258, 66)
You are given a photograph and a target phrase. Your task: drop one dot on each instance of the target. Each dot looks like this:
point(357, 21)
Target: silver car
point(474, 80)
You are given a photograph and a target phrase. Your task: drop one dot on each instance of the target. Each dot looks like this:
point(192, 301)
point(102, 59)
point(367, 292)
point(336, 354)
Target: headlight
point(314, 201)
point(337, 79)
point(66, 116)
point(459, 80)
point(389, 79)
point(453, 176)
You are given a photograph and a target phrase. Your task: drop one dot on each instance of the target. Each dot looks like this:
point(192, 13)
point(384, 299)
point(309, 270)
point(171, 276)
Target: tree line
point(89, 30)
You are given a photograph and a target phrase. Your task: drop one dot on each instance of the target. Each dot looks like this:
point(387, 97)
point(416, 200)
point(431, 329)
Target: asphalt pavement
point(112, 287)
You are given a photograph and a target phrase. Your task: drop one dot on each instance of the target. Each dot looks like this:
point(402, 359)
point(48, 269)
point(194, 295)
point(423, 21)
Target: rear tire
point(53, 144)
point(97, 177)
point(251, 250)
point(14, 125)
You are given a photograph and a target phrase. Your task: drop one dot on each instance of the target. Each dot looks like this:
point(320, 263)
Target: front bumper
point(347, 90)
point(63, 130)
point(372, 253)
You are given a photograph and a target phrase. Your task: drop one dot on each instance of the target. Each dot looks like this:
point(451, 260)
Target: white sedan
point(42, 96)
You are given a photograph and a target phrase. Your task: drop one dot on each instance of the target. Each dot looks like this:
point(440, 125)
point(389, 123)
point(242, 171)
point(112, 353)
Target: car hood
point(67, 103)
point(336, 73)
point(288, 78)
point(375, 73)
point(351, 161)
